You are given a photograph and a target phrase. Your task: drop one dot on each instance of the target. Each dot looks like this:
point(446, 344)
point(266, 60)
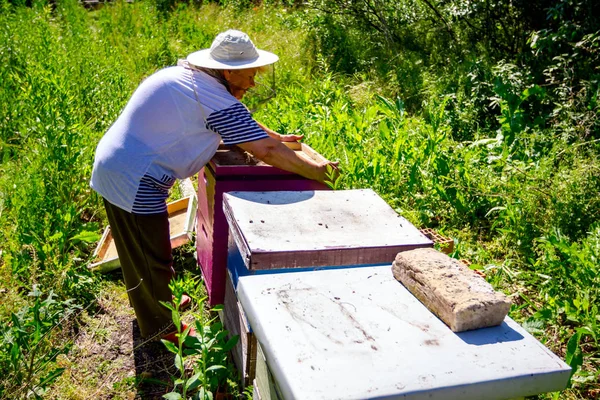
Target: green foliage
point(28, 348)
point(479, 119)
point(206, 344)
point(570, 273)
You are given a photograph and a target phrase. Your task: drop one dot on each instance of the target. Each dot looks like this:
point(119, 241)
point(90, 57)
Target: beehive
point(357, 333)
point(275, 232)
point(232, 169)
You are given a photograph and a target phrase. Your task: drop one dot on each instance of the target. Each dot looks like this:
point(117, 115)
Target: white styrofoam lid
point(358, 333)
point(322, 219)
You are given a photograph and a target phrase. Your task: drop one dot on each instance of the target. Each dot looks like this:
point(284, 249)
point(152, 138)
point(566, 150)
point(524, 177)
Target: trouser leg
point(144, 248)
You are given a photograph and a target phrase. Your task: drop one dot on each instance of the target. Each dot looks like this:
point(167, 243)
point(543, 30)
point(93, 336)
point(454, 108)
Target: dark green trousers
point(144, 248)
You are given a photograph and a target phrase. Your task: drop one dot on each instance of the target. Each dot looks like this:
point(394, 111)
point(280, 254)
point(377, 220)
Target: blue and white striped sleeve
point(235, 125)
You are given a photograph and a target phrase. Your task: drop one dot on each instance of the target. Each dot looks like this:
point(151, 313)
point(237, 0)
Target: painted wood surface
point(234, 321)
point(212, 231)
point(275, 230)
point(358, 334)
point(182, 218)
point(266, 388)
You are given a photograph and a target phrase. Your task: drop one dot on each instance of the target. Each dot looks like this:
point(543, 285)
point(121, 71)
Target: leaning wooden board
point(182, 217)
point(358, 333)
point(282, 230)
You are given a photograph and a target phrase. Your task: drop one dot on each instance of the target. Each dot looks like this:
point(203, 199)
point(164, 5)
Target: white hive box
point(279, 231)
point(359, 334)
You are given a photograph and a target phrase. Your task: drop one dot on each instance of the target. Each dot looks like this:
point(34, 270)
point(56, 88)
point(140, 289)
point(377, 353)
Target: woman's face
point(240, 80)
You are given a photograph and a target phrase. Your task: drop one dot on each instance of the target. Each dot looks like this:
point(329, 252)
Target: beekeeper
point(170, 128)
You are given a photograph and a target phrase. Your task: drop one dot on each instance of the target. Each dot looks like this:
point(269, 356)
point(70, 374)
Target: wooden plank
point(182, 217)
point(236, 233)
point(265, 383)
point(259, 260)
point(105, 255)
point(249, 349)
point(234, 321)
point(255, 392)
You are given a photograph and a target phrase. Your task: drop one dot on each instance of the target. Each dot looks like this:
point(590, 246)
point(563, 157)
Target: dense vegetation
point(479, 119)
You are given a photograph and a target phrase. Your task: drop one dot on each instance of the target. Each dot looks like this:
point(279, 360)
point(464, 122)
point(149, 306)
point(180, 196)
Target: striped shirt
point(170, 128)
point(152, 195)
point(235, 125)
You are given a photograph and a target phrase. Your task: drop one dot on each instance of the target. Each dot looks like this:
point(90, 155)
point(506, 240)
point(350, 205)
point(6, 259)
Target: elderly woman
point(170, 128)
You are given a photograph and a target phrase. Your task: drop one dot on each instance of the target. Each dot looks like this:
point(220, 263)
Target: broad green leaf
point(179, 362)
point(87, 237)
point(193, 382)
point(51, 377)
point(170, 346)
point(215, 368)
point(176, 318)
point(572, 347)
point(204, 394)
point(231, 343)
point(216, 327)
point(172, 396)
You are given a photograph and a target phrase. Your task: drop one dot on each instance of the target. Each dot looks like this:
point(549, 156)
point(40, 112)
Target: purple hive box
point(232, 169)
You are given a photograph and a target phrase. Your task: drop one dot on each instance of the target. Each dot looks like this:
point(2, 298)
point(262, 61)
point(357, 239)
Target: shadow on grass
point(154, 366)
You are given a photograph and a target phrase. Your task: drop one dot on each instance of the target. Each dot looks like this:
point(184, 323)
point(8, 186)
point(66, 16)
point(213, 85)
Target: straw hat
point(231, 50)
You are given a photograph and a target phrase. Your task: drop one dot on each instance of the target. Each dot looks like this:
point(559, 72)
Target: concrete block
point(449, 289)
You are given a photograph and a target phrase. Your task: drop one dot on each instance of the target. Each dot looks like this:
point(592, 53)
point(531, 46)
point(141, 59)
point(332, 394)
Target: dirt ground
point(109, 359)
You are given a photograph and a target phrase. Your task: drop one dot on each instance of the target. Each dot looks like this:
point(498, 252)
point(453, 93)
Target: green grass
point(521, 200)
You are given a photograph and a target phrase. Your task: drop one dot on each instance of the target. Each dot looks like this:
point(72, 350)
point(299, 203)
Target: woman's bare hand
point(290, 138)
point(330, 172)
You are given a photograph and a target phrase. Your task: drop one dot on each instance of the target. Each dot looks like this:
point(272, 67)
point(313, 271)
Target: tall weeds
point(476, 150)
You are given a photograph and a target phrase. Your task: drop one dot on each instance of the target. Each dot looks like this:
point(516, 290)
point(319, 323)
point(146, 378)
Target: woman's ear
point(226, 74)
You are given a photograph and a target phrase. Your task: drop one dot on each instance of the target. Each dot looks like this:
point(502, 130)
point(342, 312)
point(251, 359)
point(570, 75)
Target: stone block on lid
point(449, 289)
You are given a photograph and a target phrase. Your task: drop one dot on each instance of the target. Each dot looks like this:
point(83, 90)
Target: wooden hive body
point(233, 170)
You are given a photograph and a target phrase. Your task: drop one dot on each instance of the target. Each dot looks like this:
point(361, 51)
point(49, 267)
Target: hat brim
point(203, 59)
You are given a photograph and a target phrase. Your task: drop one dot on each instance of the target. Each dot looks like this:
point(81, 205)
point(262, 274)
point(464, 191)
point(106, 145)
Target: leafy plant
point(28, 348)
point(205, 344)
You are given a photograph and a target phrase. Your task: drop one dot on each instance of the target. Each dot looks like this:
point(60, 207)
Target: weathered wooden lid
point(301, 229)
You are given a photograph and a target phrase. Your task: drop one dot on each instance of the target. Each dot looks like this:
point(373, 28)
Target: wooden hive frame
point(182, 218)
point(446, 245)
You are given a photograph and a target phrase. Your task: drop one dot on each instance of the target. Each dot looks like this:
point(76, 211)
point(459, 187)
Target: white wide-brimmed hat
point(231, 50)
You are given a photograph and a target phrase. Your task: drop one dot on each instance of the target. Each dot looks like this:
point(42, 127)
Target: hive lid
point(276, 230)
point(357, 333)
